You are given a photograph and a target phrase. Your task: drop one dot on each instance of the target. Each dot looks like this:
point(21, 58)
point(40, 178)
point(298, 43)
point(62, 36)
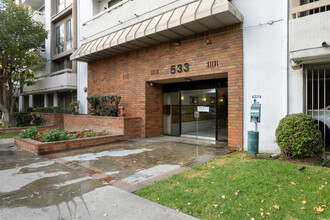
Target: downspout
point(288, 55)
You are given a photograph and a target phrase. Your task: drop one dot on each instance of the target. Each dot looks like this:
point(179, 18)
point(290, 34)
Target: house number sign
point(179, 68)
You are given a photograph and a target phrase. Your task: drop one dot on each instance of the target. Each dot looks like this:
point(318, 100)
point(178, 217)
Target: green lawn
point(238, 186)
point(9, 135)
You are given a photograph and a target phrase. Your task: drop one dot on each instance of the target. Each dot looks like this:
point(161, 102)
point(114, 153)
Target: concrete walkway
point(33, 187)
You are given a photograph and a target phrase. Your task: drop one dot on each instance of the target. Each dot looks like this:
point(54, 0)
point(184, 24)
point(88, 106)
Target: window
point(69, 34)
point(113, 2)
point(60, 39)
point(68, 2)
point(42, 9)
point(59, 5)
point(317, 94)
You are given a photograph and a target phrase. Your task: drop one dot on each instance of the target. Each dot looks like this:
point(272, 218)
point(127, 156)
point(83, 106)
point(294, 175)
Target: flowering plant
point(45, 135)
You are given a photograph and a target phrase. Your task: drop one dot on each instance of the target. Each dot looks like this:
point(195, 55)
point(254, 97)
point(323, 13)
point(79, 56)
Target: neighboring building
point(309, 77)
point(56, 78)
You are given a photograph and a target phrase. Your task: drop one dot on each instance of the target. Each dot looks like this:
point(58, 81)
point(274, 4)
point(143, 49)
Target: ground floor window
point(65, 98)
point(317, 88)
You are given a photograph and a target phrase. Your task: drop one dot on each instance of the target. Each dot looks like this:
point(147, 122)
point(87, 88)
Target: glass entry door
point(202, 101)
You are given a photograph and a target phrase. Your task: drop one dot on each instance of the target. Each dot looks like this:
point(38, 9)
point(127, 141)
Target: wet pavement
point(68, 186)
point(134, 162)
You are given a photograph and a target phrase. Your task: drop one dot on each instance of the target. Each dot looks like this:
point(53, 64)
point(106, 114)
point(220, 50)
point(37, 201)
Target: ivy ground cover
point(239, 186)
point(45, 135)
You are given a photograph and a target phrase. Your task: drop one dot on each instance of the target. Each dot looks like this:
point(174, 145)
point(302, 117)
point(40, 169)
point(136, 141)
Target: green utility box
point(253, 142)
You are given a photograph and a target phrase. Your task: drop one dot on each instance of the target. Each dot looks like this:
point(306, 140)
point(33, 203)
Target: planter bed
point(19, 129)
point(49, 147)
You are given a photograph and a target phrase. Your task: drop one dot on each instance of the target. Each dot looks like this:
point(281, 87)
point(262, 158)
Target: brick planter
point(49, 147)
point(120, 128)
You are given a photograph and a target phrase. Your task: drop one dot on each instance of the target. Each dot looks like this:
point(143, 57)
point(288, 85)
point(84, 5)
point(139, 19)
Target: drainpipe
point(288, 12)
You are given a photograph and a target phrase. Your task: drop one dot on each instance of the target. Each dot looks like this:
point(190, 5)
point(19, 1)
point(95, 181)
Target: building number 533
point(179, 68)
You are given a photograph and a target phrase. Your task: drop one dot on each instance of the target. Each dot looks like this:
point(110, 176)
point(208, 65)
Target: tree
point(20, 40)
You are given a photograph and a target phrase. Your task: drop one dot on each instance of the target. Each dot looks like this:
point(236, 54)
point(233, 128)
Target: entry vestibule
point(182, 100)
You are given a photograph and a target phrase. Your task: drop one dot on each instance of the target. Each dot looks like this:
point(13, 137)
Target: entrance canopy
point(189, 19)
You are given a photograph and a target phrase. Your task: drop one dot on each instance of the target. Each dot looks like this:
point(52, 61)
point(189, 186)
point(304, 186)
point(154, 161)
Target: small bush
point(53, 109)
point(22, 119)
point(29, 109)
point(72, 107)
point(52, 135)
point(45, 135)
point(104, 105)
point(298, 137)
point(37, 120)
point(28, 133)
point(57, 109)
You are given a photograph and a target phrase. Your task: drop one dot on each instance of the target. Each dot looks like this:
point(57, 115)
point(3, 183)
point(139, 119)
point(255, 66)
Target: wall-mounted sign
point(154, 72)
point(256, 100)
point(180, 68)
point(196, 114)
point(203, 108)
point(212, 63)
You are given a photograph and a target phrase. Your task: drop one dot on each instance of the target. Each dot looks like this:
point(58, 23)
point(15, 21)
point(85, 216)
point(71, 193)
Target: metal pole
point(197, 129)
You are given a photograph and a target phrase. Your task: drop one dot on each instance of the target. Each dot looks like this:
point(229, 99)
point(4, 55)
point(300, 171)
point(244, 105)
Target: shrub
point(28, 133)
point(57, 109)
point(72, 107)
point(298, 137)
point(29, 109)
point(22, 119)
point(84, 134)
point(52, 135)
point(53, 109)
point(104, 105)
point(37, 120)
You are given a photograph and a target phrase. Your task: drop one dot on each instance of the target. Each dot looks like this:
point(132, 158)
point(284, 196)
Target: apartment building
point(309, 75)
point(171, 58)
point(56, 83)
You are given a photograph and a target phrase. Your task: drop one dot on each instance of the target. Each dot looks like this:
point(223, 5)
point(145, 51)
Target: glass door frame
point(179, 89)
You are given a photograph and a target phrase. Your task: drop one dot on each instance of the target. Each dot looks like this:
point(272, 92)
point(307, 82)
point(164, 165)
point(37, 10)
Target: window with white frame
point(113, 2)
point(69, 34)
point(59, 38)
point(59, 5)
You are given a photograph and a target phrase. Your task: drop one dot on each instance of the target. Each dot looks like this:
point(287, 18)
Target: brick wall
point(42, 148)
point(130, 127)
point(128, 75)
point(52, 119)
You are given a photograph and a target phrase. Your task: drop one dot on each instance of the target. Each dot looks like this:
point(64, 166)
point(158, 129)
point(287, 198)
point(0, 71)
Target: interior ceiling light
point(177, 43)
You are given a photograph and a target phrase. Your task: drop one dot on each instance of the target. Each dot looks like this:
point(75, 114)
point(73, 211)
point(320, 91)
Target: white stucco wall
point(306, 37)
point(85, 11)
point(106, 23)
point(264, 66)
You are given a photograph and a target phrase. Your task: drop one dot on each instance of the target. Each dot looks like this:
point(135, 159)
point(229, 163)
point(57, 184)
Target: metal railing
point(57, 73)
point(317, 94)
point(106, 11)
point(310, 8)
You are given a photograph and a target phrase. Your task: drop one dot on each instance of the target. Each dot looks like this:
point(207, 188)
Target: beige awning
point(192, 18)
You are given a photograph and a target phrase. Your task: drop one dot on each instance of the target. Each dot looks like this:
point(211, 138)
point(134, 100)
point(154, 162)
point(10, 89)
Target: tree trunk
point(7, 119)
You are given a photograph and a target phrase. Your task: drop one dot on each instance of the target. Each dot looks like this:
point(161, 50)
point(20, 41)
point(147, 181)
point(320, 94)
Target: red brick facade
point(129, 74)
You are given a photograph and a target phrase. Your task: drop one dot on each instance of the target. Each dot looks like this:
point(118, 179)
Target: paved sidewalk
point(32, 187)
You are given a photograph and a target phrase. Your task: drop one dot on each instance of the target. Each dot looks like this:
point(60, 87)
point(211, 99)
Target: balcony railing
point(106, 11)
point(310, 8)
point(39, 16)
point(56, 81)
point(60, 72)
